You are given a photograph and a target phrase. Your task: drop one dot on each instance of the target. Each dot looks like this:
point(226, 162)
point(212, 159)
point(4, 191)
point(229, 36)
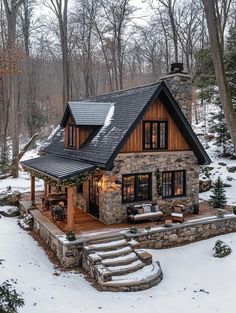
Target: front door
point(93, 197)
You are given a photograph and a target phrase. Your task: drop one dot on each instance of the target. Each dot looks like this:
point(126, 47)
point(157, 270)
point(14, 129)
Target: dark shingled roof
point(87, 113)
point(129, 106)
point(56, 167)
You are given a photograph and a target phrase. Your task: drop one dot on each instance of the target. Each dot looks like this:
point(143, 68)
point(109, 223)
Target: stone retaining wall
point(185, 233)
point(68, 253)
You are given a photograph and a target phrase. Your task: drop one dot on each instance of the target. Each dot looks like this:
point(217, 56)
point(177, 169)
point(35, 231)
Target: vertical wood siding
point(156, 111)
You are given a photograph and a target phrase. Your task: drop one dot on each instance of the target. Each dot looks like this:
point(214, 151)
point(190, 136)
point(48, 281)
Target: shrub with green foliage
point(218, 198)
point(221, 249)
point(70, 236)
point(10, 300)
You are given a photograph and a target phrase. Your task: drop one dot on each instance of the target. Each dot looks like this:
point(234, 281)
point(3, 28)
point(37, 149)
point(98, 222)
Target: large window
point(155, 135)
point(137, 187)
point(72, 136)
point(173, 184)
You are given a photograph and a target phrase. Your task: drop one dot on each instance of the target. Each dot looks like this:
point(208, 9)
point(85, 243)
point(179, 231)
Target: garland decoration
point(73, 181)
point(158, 179)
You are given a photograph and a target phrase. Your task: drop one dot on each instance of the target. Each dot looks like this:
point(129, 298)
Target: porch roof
point(58, 168)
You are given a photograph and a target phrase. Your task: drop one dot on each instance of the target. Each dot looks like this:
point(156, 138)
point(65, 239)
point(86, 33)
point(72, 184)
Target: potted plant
point(220, 213)
point(133, 230)
point(70, 236)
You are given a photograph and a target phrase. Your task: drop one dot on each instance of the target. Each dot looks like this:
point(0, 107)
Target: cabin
point(118, 150)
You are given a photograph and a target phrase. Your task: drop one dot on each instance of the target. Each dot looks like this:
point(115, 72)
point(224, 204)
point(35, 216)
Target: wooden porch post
point(70, 208)
point(45, 190)
point(32, 189)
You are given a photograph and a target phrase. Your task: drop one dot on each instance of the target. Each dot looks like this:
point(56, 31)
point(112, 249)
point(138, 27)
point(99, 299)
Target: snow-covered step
point(144, 278)
point(107, 245)
point(121, 260)
point(125, 269)
point(106, 239)
point(115, 253)
point(133, 243)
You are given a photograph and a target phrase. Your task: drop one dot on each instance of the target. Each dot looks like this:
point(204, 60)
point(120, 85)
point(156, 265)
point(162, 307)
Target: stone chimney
point(180, 84)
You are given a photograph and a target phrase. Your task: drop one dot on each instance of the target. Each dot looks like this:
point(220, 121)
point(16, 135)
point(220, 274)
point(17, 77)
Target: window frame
point(173, 174)
point(152, 122)
point(74, 136)
point(136, 187)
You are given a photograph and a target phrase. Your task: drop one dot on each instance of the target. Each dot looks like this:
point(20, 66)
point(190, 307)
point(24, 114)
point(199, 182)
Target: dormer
point(81, 119)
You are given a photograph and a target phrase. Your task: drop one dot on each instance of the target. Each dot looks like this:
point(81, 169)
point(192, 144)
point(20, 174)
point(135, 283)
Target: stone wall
point(185, 233)
point(180, 84)
point(68, 253)
point(111, 208)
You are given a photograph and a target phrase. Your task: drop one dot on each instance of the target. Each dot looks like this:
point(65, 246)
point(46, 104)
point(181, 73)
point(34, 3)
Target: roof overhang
point(57, 168)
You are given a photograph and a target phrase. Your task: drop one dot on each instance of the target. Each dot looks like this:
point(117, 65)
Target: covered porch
point(63, 179)
point(84, 223)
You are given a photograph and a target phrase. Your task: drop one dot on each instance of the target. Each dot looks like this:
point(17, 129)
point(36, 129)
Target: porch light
point(99, 184)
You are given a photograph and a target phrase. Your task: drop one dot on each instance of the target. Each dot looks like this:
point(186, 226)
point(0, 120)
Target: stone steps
point(115, 253)
point(121, 260)
point(142, 279)
point(107, 246)
point(117, 265)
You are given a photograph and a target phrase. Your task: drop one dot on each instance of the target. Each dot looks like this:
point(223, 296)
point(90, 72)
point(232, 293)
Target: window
point(155, 135)
point(72, 136)
point(137, 187)
point(173, 184)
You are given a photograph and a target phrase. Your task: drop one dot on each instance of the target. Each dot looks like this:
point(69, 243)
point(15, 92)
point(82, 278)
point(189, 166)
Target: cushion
point(177, 214)
point(140, 210)
point(155, 208)
point(146, 209)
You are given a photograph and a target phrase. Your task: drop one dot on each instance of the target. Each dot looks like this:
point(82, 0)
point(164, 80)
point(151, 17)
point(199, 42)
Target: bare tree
point(11, 11)
point(218, 61)
point(60, 9)
point(170, 7)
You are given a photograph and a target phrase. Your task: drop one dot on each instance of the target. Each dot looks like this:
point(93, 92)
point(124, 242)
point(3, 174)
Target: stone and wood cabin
point(120, 149)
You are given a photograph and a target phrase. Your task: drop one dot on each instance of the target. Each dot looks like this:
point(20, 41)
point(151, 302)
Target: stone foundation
point(70, 254)
point(111, 208)
point(185, 233)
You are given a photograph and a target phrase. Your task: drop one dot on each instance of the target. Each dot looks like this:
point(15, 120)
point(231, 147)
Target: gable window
point(71, 136)
point(173, 184)
point(155, 135)
point(137, 187)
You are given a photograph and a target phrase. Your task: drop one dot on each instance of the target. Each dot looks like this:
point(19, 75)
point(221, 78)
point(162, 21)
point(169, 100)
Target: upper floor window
point(71, 136)
point(173, 184)
point(137, 187)
point(155, 135)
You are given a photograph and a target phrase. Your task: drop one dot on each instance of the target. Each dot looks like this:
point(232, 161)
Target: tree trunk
point(217, 57)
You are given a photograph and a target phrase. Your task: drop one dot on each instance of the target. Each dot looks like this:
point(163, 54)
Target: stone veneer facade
point(111, 208)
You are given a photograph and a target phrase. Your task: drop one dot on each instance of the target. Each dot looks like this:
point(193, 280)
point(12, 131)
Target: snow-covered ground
point(194, 281)
point(22, 183)
point(222, 171)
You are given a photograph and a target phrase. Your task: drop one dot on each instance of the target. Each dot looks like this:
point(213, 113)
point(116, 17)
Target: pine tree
point(218, 198)
point(221, 132)
point(10, 300)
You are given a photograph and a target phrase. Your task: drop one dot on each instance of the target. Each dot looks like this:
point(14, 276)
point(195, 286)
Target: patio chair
point(177, 215)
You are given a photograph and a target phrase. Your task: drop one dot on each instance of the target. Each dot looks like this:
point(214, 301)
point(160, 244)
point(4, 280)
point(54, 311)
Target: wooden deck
point(86, 223)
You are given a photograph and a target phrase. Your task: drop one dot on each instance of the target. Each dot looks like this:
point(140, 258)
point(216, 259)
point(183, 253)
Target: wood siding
point(82, 134)
point(156, 111)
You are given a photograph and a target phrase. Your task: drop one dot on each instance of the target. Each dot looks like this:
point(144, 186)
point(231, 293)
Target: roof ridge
point(128, 89)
